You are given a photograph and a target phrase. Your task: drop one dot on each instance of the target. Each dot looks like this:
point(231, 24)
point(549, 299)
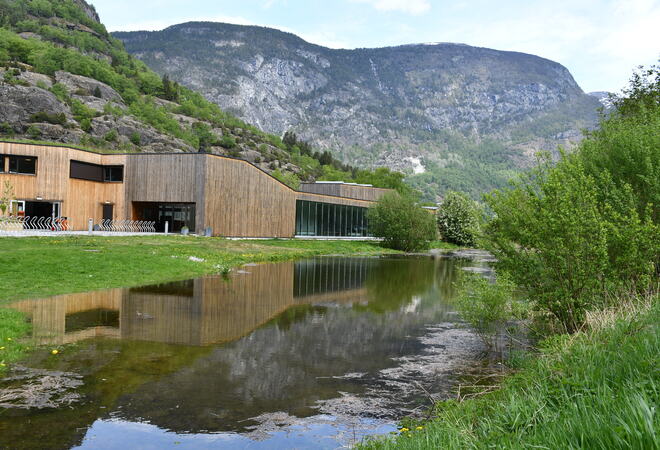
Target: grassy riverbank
point(40, 267)
point(594, 389)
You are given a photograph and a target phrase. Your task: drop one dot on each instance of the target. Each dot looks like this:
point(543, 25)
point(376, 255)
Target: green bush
point(111, 136)
point(227, 141)
point(289, 178)
point(86, 125)
point(33, 131)
point(136, 138)
point(54, 118)
point(488, 306)
point(402, 223)
point(458, 219)
point(6, 128)
point(574, 234)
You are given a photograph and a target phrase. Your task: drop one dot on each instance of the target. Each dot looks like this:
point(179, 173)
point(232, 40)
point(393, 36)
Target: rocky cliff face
point(399, 106)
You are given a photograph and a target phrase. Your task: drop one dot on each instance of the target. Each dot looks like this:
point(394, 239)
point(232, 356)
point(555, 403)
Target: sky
point(600, 41)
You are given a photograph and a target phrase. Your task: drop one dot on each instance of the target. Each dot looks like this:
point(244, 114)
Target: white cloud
point(599, 41)
point(407, 6)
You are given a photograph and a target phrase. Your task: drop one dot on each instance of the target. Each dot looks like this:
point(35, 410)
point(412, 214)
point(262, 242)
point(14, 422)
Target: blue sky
point(599, 41)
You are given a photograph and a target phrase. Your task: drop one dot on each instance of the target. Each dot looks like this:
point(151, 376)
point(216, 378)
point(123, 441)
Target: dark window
point(95, 172)
point(113, 173)
point(2, 163)
point(86, 171)
point(26, 165)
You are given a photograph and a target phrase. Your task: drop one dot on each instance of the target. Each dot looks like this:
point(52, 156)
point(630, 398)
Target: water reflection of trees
point(396, 282)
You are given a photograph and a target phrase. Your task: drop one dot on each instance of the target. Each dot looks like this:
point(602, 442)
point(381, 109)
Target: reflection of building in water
point(198, 312)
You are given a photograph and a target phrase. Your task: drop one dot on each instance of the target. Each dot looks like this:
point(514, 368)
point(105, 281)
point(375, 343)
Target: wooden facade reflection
point(198, 312)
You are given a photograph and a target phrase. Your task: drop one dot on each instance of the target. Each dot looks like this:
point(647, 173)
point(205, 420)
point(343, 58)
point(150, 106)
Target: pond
point(316, 353)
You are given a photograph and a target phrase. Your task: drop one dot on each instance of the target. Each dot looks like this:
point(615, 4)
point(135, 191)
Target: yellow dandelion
point(2, 348)
point(404, 429)
point(54, 351)
point(9, 339)
point(2, 365)
point(419, 428)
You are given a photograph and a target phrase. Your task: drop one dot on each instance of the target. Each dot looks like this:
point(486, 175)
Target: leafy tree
point(7, 196)
point(458, 219)
point(290, 139)
point(402, 223)
point(170, 89)
point(574, 234)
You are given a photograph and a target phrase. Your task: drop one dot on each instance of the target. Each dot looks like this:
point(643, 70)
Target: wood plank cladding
point(80, 199)
point(241, 200)
point(233, 197)
point(346, 190)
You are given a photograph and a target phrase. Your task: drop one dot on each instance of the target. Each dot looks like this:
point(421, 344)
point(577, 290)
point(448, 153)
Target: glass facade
point(324, 275)
point(327, 219)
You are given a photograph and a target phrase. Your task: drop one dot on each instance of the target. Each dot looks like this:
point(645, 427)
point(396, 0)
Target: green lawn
point(39, 267)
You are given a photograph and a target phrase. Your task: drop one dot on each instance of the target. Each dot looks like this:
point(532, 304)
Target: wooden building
point(230, 196)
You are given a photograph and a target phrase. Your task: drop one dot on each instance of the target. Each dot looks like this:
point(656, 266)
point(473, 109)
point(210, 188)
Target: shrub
point(488, 306)
point(458, 219)
point(111, 136)
point(565, 244)
point(54, 118)
point(86, 124)
point(136, 138)
point(6, 128)
point(60, 92)
point(288, 178)
point(33, 131)
point(402, 223)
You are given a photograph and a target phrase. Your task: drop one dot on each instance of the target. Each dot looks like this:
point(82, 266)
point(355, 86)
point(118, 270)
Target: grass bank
point(40, 267)
point(594, 389)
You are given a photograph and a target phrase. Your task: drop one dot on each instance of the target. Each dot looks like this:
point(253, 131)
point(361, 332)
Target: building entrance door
point(42, 209)
point(108, 212)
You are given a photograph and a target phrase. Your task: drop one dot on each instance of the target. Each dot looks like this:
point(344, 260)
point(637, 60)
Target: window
point(25, 165)
point(2, 163)
point(326, 219)
point(94, 172)
point(113, 173)
point(86, 171)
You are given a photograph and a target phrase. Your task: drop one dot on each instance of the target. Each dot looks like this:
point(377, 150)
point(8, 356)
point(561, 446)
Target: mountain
point(604, 97)
point(461, 117)
point(64, 78)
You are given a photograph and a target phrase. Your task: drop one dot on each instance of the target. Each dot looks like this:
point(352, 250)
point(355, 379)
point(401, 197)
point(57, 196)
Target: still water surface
point(315, 353)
